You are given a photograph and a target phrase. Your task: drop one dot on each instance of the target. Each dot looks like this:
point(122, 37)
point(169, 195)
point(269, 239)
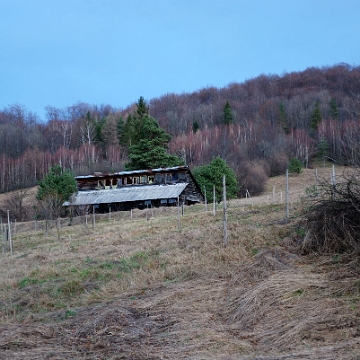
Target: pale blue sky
point(59, 52)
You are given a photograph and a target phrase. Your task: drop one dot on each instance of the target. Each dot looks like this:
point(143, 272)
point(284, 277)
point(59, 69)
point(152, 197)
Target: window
point(163, 201)
point(136, 180)
point(159, 178)
point(143, 179)
point(182, 176)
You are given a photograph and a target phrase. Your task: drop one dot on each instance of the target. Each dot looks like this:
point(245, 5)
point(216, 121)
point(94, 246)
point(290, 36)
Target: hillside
point(160, 289)
point(271, 119)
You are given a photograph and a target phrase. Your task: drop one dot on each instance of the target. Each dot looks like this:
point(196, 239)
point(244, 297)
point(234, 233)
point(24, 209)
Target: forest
point(257, 126)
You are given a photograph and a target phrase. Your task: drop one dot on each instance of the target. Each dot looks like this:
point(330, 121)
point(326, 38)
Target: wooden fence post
point(214, 201)
point(287, 194)
point(9, 229)
point(206, 208)
point(93, 217)
point(225, 214)
point(2, 236)
point(333, 181)
point(178, 209)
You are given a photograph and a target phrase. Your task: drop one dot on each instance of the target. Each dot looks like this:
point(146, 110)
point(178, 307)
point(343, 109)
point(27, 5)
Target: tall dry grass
point(145, 289)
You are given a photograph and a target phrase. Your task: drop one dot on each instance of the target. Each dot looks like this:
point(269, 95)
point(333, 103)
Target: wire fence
point(90, 220)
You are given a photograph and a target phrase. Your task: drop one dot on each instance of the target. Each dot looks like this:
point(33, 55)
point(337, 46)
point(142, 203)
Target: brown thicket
point(333, 221)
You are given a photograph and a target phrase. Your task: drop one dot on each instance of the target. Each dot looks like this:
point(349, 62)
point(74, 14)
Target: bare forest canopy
point(271, 119)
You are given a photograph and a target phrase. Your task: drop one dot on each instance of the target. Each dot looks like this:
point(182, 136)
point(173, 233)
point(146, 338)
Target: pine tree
point(149, 142)
point(142, 108)
point(282, 119)
point(333, 109)
point(316, 116)
point(195, 126)
point(54, 189)
point(58, 185)
point(228, 117)
point(120, 130)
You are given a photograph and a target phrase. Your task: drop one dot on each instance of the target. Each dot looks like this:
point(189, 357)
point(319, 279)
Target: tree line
point(257, 126)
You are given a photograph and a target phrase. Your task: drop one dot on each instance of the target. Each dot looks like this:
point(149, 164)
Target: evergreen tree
point(316, 116)
point(295, 166)
point(228, 117)
point(54, 189)
point(130, 131)
point(212, 174)
point(283, 120)
point(57, 184)
point(149, 142)
point(142, 108)
point(333, 109)
point(99, 127)
point(195, 126)
point(120, 130)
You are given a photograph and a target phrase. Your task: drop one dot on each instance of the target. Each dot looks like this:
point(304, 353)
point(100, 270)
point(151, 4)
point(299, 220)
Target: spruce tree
point(228, 117)
point(282, 118)
point(333, 109)
point(149, 142)
point(195, 126)
point(316, 116)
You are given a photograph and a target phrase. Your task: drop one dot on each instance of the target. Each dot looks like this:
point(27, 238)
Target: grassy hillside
point(160, 289)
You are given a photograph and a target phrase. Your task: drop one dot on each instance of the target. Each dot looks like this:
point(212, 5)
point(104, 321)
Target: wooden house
point(137, 189)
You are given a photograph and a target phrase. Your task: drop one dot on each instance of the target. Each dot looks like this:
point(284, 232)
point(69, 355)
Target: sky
point(61, 52)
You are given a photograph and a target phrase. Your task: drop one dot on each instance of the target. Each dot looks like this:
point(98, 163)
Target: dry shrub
point(20, 209)
point(252, 177)
point(278, 164)
point(332, 222)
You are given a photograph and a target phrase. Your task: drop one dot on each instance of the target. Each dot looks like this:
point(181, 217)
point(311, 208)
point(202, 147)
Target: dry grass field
point(160, 289)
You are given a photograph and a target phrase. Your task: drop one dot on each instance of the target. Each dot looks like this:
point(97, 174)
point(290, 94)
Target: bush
point(295, 166)
point(252, 177)
point(332, 222)
point(278, 164)
point(211, 175)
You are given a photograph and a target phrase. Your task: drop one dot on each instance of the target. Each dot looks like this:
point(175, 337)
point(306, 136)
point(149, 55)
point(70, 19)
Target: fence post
point(333, 180)
point(2, 236)
point(178, 209)
point(93, 219)
point(225, 215)
point(9, 227)
point(287, 194)
point(214, 201)
point(206, 209)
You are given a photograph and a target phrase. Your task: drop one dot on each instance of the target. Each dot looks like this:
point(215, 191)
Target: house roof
point(134, 172)
point(127, 194)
